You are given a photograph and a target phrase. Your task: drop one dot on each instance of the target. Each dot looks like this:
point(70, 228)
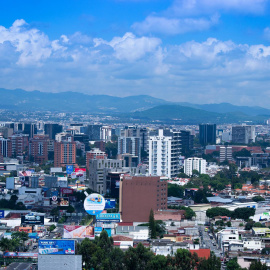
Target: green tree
point(52, 227)
point(257, 265)
point(212, 263)
point(184, 260)
point(175, 191)
point(258, 199)
point(243, 213)
point(200, 196)
point(233, 265)
point(218, 211)
point(152, 225)
point(70, 209)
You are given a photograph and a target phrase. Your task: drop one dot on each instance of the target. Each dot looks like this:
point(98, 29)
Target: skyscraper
point(164, 152)
point(243, 134)
point(52, 130)
point(194, 163)
point(207, 133)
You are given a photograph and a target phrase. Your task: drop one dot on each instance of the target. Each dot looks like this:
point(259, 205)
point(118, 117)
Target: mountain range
point(141, 107)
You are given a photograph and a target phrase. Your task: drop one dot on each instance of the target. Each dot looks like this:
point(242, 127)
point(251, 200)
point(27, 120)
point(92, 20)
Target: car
point(34, 247)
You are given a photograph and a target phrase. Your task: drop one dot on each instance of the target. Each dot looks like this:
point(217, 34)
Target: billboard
point(110, 203)
point(81, 173)
point(108, 217)
point(69, 169)
point(56, 169)
point(25, 173)
point(62, 182)
point(2, 213)
point(56, 247)
point(66, 190)
point(71, 231)
point(54, 200)
point(109, 231)
point(32, 220)
point(94, 204)
point(20, 255)
point(98, 231)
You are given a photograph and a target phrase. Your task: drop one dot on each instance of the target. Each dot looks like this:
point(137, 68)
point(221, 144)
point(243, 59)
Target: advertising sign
point(2, 213)
point(94, 204)
point(71, 231)
point(69, 169)
point(56, 247)
point(25, 173)
point(59, 201)
point(66, 191)
point(98, 231)
point(110, 203)
point(20, 255)
point(81, 173)
point(32, 219)
point(109, 231)
point(108, 217)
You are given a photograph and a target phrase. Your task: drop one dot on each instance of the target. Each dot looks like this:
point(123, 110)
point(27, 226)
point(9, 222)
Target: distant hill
point(187, 115)
point(142, 107)
point(22, 100)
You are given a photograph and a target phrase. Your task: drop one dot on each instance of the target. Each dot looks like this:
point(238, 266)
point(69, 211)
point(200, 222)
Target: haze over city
point(189, 51)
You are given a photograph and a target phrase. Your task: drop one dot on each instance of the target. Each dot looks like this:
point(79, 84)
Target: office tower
point(95, 153)
point(164, 152)
point(142, 133)
point(52, 130)
point(225, 153)
point(130, 145)
point(5, 147)
point(19, 144)
point(98, 169)
point(30, 129)
point(207, 134)
point(194, 163)
point(138, 195)
point(186, 142)
point(6, 132)
point(64, 153)
point(93, 131)
point(38, 148)
point(243, 134)
point(106, 133)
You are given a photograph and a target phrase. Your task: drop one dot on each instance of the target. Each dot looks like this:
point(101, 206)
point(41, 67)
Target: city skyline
point(187, 51)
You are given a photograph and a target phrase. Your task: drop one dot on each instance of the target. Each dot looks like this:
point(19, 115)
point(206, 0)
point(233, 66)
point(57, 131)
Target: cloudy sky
point(199, 51)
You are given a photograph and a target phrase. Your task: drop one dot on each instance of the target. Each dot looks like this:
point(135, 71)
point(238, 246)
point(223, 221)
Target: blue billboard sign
point(110, 203)
point(98, 231)
point(69, 169)
point(56, 247)
point(109, 231)
point(103, 217)
point(2, 213)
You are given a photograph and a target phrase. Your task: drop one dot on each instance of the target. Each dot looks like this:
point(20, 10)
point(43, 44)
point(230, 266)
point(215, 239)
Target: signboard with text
point(56, 247)
point(108, 217)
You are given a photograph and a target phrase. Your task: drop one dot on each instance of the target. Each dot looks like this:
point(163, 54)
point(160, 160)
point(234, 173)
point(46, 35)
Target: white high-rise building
point(194, 163)
point(164, 153)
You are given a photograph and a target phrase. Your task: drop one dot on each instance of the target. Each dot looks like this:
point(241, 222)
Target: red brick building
point(38, 148)
point(94, 154)
point(139, 194)
point(64, 153)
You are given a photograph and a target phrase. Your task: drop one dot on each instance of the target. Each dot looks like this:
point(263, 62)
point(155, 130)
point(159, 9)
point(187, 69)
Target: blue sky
point(199, 51)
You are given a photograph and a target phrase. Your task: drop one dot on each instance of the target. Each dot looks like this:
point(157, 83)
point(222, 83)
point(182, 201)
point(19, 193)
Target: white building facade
point(194, 163)
point(164, 153)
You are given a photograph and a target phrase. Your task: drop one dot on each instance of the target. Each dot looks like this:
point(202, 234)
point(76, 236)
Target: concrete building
point(52, 130)
point(225, 153)
point(130, 145)
point(194, 163)
point(164, 153)
point(19, 144)
point(186, 141)
point(60, 262)
point(207, 134)
point(243, 134)
point(38, 148)
point(98, 169)
point(139, 194)
point(106, 133)
point(5, 147)
point(95, 153)
point(64, 153)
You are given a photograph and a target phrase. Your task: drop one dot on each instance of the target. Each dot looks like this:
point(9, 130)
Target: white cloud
point(32, 45)
point(129, 47)
point(195, 7)
point(212, 70)
point(173, 26)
